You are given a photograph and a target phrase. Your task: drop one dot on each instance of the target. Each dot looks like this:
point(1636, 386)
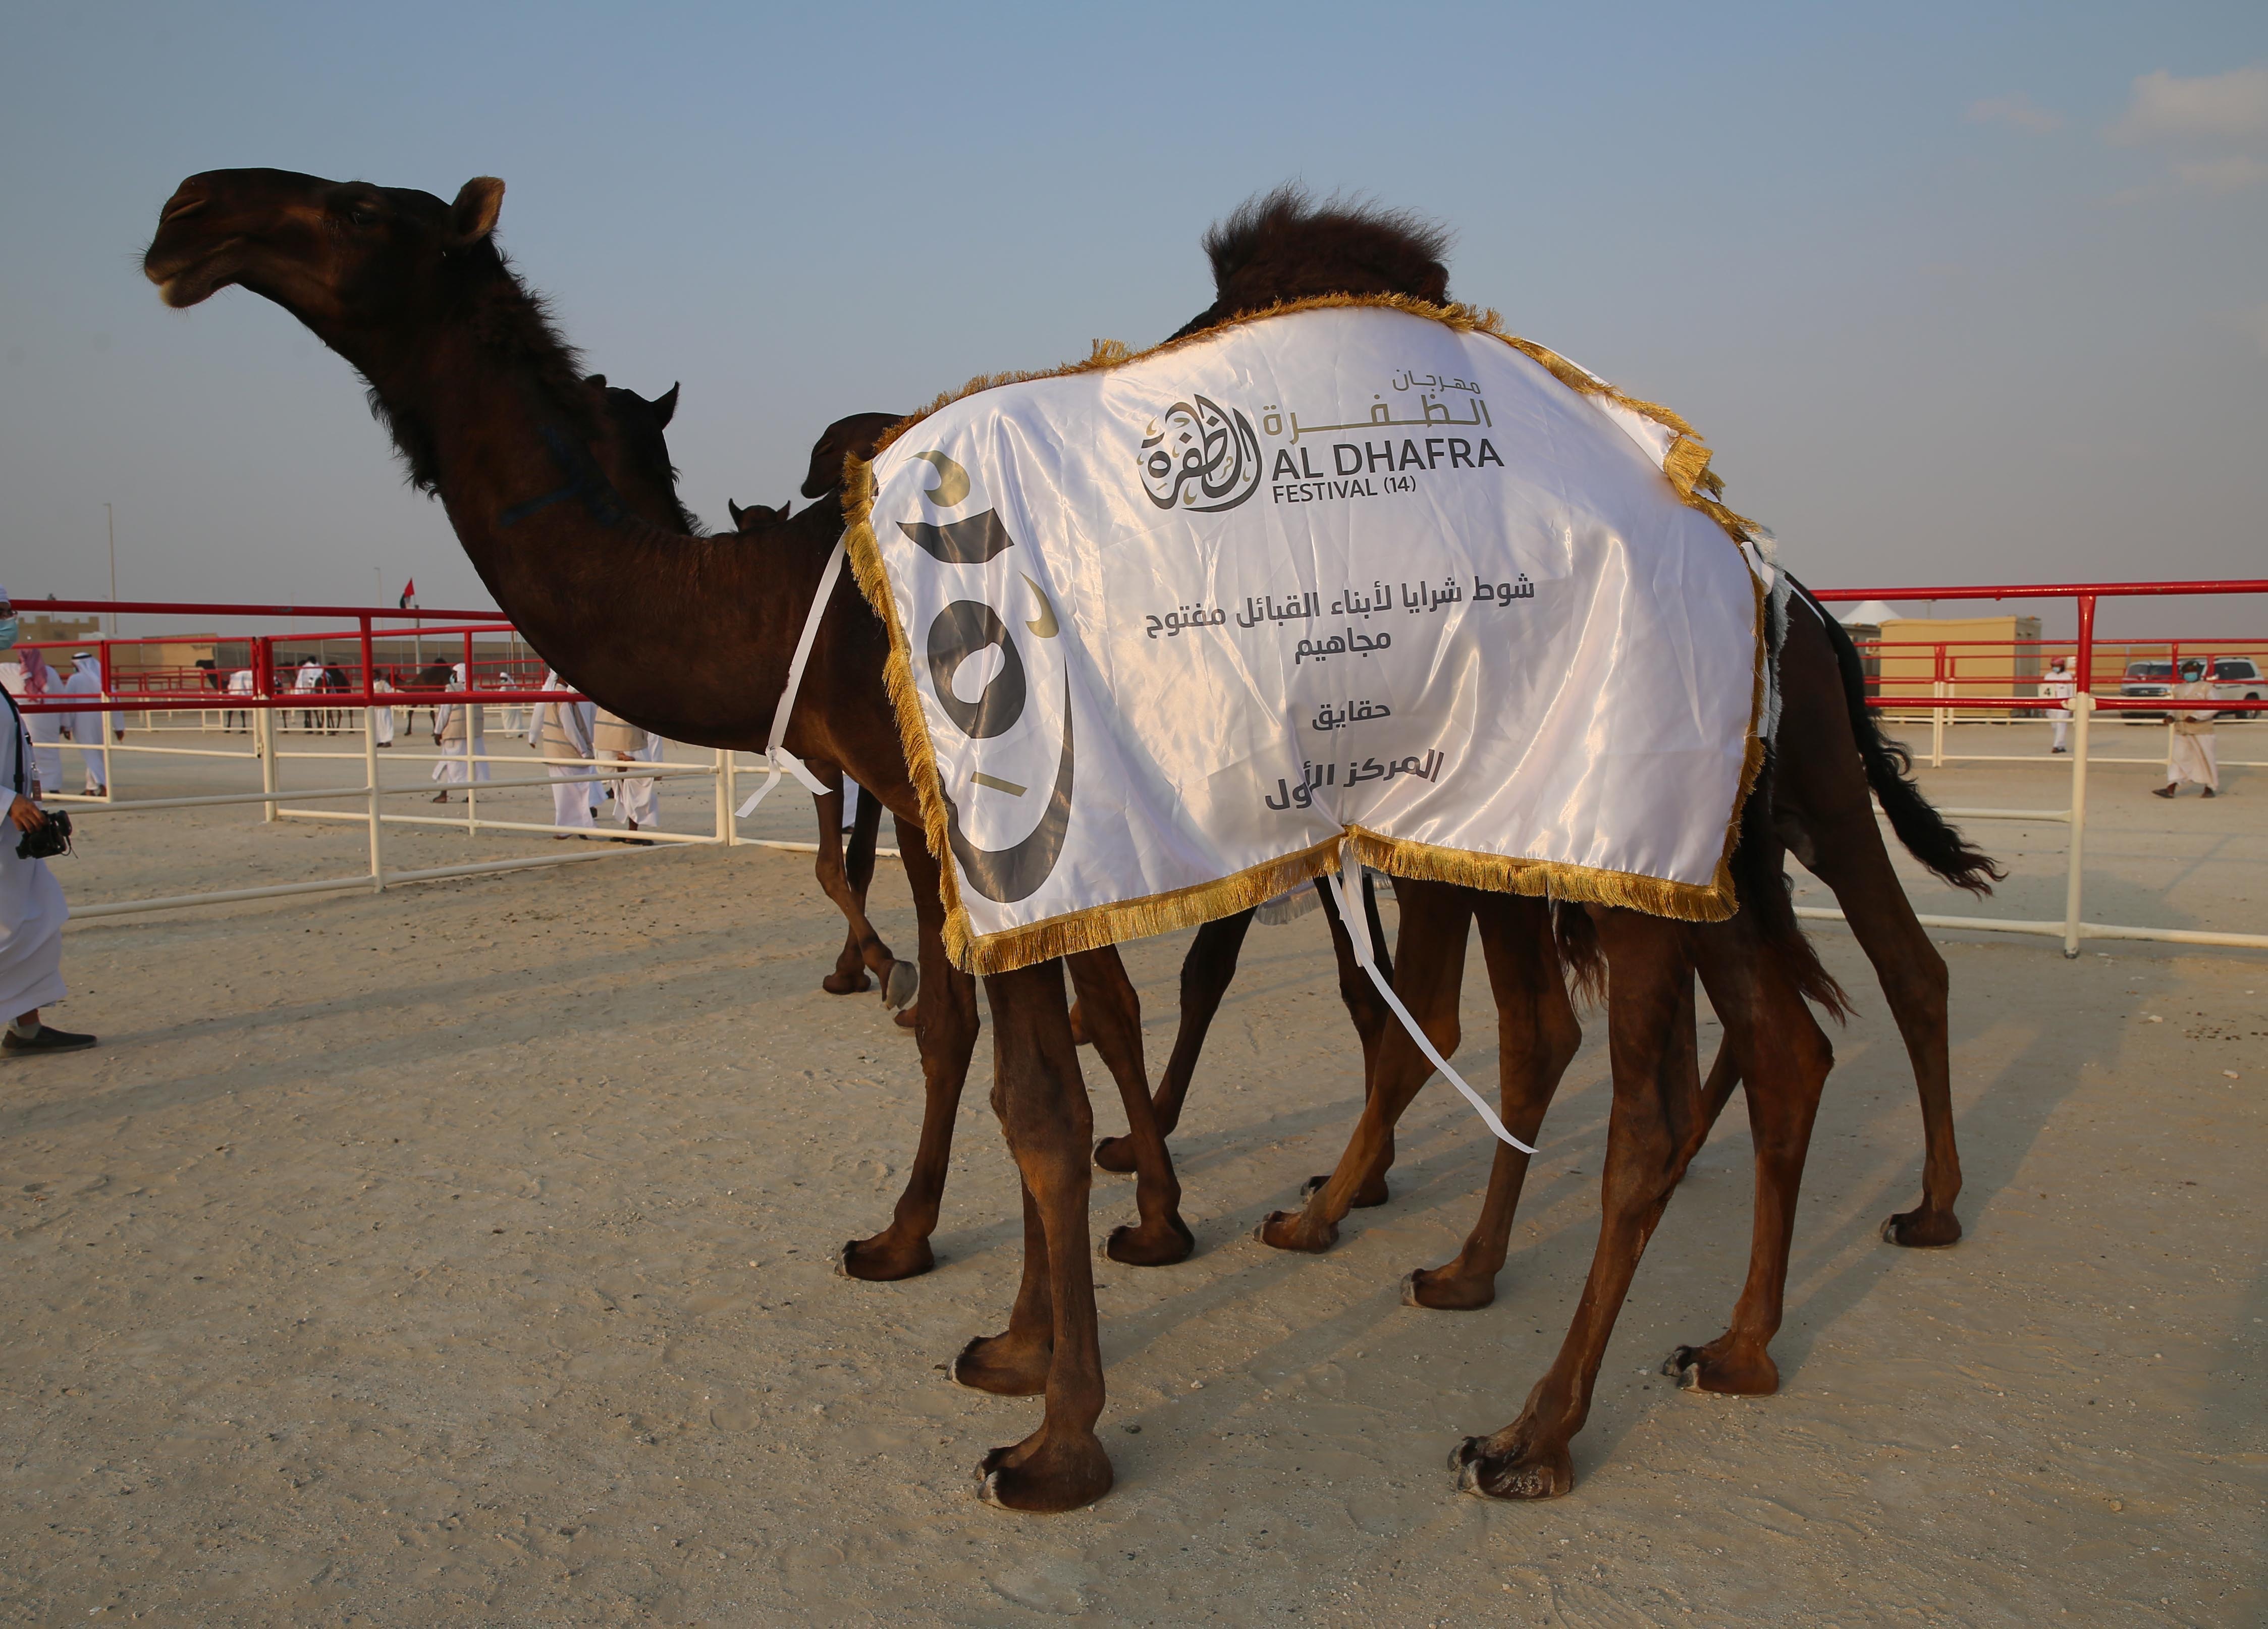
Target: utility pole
point(111, 522)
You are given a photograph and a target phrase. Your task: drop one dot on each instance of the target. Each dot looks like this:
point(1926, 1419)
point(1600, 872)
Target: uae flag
point(409, 601)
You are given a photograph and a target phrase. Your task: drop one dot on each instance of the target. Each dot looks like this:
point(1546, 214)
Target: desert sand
point(462, 1254)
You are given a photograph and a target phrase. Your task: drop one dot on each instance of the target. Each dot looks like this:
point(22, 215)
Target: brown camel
point(478, 393)
point(486, 407)
point(1281, 246)
point(632, 453)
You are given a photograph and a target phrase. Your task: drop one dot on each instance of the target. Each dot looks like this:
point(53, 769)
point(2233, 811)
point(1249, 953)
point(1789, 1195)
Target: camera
point(51, 839)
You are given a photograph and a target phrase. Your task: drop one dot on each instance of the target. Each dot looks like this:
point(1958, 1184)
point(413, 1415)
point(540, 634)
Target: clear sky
point(1957, 292)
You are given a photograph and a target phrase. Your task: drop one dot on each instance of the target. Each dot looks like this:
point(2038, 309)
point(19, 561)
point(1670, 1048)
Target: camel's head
point(342, 256)
point(854, 436)
point(635, 454)
point(754, 517)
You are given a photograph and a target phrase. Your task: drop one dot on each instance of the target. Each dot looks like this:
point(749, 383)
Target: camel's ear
point(473, 214)
point(737, 511)
point(596, 381)
point(665, 406)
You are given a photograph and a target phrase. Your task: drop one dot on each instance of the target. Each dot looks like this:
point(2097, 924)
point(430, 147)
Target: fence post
point(725, 835)
point(370, 763)
point(263, 725)
point(377, 801)
point(2082, 709)
point(103, 669)
point(474, 739)
point(1937, 715)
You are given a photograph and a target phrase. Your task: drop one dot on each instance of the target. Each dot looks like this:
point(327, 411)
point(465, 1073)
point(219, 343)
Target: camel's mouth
point(186, 279)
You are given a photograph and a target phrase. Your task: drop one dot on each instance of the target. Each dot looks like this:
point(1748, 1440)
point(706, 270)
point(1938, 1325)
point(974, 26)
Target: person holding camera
point(32, 908)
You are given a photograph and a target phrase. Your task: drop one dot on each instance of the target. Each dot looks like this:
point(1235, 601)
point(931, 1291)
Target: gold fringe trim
point(1686, 468)
point(1139, 918)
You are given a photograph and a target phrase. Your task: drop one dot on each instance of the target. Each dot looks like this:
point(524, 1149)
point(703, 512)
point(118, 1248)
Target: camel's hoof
point(1045, 1476)
point(1922, 1230)
point(1131, 1246)
point(1438, 1291)
point(1373, 1192)
point(1003, 1366)
point(881, 1260)
point(844, 983)
point(1530, 1474)
point(1696, 1368)
point(1115, 1153)
point(899, 988)
point(1288, 1230)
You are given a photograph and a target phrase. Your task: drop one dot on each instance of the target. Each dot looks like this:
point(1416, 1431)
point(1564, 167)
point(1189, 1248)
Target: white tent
point(1866, 614)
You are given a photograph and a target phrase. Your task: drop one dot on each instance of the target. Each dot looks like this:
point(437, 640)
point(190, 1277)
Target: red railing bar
point(2047, 591)
point(172, 608)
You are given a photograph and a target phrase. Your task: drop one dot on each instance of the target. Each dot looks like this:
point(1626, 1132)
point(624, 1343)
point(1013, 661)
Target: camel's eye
point(362, 215)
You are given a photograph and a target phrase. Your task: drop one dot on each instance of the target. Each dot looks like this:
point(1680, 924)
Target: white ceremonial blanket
point(1168, 628)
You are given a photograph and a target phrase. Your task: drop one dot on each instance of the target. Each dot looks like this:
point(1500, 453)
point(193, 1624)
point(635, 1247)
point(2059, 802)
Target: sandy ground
point(462, 1256)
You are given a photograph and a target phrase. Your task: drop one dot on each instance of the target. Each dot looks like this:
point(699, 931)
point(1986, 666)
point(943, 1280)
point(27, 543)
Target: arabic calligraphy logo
point(958, 634)
point(1205, 458)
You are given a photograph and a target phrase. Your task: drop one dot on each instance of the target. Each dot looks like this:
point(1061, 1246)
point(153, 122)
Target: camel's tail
point(1924, 832)
point(1759, 874)
point(1763, 895)
point(1581, 958)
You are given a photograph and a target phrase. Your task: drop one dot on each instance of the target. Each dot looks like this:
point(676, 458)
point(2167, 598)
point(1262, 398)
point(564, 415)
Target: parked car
point(2235, 678)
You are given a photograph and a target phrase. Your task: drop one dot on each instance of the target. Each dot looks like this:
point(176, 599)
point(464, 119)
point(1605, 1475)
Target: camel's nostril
point(181, 206)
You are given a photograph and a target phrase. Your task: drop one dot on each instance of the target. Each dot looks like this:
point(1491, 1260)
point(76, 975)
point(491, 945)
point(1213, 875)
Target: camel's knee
point(1558, 1037)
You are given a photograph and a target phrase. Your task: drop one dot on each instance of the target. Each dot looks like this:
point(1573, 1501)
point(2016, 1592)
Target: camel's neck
point(688, 636)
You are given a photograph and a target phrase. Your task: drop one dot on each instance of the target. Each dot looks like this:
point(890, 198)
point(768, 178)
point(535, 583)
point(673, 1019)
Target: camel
point(1281, 246)
point(481, 400)
point(489, 411)
point(633, 455)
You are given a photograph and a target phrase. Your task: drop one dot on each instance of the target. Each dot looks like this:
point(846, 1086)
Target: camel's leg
point(1915, 984)
point(850, 975)
point(1043, 1111)
point(1014, 1362)
point(1114, 1016)
point(946, 1037)
point(1828, 816)
point(1786, 1057)
point(899, 979)
point(1435, 920)
point(863, 947)
point(1371, 1015)
point(1652, 1132)
point(1536, 1039)
point(1206, 971)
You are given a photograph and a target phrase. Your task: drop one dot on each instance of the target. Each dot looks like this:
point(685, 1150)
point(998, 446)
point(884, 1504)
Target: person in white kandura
point(32, 908)
point(563, 729)
point(239, 683)
point(381, 717)
point(42, 682)
point(2058, 686)
point(637, 803)
point(88, 727)
point(458, 730)
point(304, 682)
point(2189, 751)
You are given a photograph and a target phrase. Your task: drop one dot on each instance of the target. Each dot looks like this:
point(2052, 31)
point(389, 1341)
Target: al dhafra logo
point(1200, 456)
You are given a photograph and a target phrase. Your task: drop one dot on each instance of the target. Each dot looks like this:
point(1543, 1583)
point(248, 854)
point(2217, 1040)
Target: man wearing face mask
point(32, 908)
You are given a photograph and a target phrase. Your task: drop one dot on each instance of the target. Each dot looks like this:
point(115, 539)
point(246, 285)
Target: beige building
point(1983, 656)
